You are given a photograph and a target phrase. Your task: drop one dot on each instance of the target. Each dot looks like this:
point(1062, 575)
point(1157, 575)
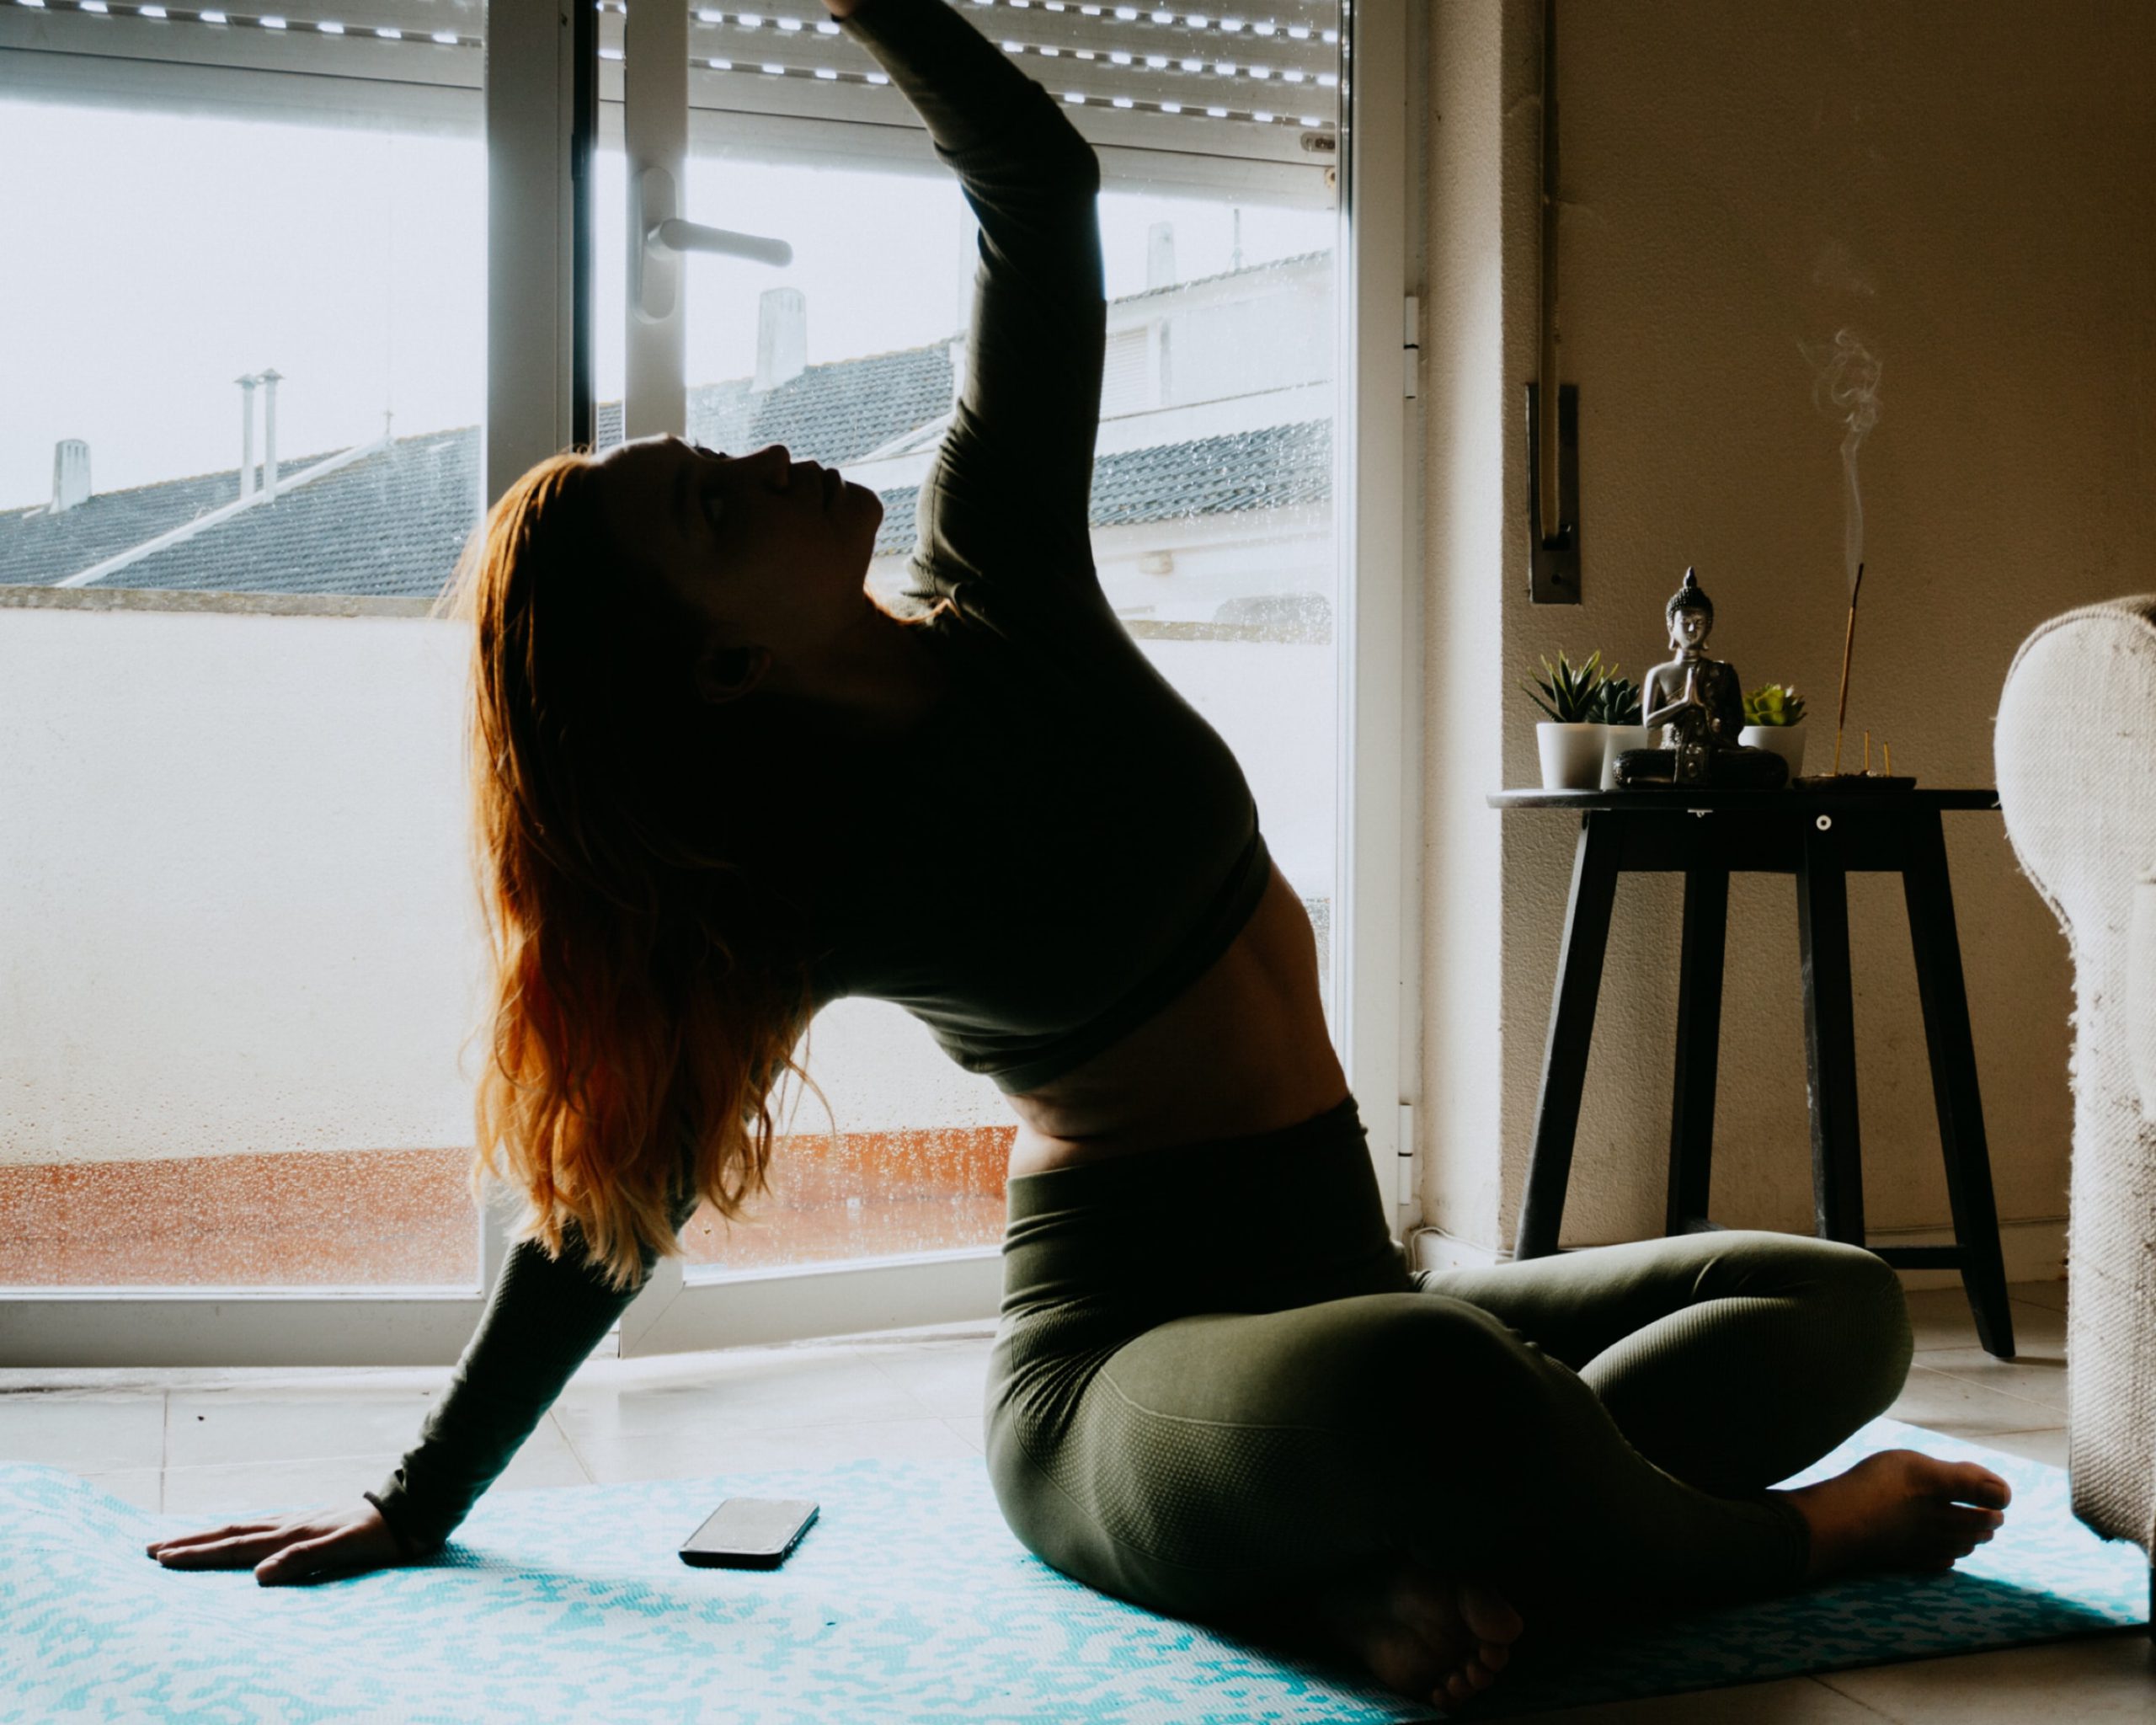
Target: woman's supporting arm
point(1010, 489)
point(546, 1316)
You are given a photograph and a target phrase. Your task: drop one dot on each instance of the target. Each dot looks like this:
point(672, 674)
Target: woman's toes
point(1489, 1614)
point(1980, 1486)
point(1975, 1526)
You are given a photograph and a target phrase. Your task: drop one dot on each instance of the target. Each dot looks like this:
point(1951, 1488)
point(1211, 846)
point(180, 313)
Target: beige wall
point(1969, 188)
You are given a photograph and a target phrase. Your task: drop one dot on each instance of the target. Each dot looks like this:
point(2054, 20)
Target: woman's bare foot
point(1439, 1641)
point(1900, 1509)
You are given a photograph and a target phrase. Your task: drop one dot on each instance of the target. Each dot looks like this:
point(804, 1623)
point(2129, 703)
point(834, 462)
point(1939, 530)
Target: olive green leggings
point(1216, 1385)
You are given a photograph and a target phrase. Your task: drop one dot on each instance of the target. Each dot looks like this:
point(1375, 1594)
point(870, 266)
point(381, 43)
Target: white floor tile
point(316, 1481)
point(974, 1431)
point(716, 1450)
point(84, 1431)
point(547, 1460)
point(2050, 1294)
point(261, 1489)
point(2089, 1681)
point(772, 1391)
point(2038, 1328)
point(2048, 1446)
point(229, 1428)
point(947, 1378)
point(2030, 1376)
point(1941, 1318)
point(1962, 1409)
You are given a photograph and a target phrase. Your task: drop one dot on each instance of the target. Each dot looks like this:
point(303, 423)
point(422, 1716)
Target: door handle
point(667, 238)
point(658, 236)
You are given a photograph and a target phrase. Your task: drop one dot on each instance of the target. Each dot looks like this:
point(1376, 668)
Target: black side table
point(1819, 836)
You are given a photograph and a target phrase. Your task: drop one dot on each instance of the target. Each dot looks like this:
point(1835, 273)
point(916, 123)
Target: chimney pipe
point(245, 435)
point(1160, 256)
point(781, 337)
point(71, 473)
point(269, 379)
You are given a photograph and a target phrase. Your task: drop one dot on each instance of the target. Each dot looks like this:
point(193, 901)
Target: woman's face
point(772, 552)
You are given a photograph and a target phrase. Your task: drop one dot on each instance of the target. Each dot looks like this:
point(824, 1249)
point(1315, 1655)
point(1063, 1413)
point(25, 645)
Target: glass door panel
point(245, 377)
point(1213, 525)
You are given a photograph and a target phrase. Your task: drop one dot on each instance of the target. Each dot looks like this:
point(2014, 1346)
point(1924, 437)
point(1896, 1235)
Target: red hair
point(645, 993)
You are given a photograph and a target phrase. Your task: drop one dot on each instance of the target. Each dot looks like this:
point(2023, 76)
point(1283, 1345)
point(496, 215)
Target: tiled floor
point(211, 1443)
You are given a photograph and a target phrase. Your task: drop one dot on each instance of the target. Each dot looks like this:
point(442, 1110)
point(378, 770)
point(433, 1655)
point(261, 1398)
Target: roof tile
point(394, 521)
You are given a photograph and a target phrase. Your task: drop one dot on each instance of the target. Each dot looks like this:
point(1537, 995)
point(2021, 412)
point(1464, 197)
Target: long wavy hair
point(646, 992)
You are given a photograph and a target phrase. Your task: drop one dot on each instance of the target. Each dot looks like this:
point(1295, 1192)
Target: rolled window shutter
point(330, 63)
point(425, 41)
point(1250, 85)
point(1256, 82)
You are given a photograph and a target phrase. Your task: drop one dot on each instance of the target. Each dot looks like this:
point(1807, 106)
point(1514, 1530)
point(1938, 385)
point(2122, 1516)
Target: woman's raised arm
point(1007, 496)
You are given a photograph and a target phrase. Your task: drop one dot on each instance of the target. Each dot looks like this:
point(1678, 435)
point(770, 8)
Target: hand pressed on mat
point(292, 1548)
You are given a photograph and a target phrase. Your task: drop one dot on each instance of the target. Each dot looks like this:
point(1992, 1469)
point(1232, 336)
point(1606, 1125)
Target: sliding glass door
point(1212, 516)
point(241, 951)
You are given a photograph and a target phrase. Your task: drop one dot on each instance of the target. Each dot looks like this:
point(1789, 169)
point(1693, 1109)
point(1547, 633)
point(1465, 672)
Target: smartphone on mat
point(750, 1533)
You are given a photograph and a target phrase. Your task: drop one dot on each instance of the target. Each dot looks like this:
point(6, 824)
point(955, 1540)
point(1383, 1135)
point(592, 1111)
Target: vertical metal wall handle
point(1553, 498)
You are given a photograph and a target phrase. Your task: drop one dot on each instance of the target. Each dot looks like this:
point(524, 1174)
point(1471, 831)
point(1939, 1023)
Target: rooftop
point(391, 519)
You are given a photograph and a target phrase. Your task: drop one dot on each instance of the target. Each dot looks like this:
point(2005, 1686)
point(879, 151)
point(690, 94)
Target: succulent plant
point(1774, 704)
point(1570, 694)
point(1617, 699)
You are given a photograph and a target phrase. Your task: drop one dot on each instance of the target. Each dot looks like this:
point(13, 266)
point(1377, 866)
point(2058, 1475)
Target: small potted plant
point(1773, 718)
point(1571, 740)
point(1619, 704)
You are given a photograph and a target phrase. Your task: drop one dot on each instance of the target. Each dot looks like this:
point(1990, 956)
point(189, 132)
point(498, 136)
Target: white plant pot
point(1787, 740)
point(1616, 738)
point(1572, 756)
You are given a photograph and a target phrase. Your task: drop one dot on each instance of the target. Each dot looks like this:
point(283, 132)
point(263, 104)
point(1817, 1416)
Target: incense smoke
point(1847, 390)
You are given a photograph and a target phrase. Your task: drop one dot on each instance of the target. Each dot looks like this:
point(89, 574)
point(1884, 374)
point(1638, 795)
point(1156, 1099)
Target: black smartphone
point(750, 1533)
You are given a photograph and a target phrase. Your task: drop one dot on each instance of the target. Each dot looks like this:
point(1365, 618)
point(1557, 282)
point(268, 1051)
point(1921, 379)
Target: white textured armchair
point(2076, 747)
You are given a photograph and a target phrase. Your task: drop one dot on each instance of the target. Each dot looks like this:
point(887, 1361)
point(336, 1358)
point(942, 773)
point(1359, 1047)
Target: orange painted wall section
point(404, 1217)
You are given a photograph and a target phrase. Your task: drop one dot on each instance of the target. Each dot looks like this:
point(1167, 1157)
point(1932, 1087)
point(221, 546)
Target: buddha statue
point(1700, 705)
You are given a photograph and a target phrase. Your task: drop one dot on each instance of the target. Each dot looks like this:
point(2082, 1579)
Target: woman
point(717, 786)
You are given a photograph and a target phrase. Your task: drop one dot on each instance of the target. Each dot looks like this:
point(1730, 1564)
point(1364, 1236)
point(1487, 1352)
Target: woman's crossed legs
point(1591, 1430)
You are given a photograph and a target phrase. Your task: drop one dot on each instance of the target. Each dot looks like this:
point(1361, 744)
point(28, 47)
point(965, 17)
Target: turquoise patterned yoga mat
point(908, 1601)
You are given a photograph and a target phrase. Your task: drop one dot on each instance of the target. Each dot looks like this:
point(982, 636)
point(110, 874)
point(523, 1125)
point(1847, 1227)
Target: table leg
point(1823, 927)
point(1571, 1025)
point(1940, 985)
point(1698, 1045)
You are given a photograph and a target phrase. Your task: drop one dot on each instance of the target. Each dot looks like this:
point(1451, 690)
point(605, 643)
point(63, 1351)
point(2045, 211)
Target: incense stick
point(1849, 647)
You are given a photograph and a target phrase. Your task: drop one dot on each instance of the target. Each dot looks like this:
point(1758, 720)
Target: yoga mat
point(909, 1601)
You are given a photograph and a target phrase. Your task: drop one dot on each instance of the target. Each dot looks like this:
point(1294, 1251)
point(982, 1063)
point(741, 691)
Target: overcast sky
point(174, 255)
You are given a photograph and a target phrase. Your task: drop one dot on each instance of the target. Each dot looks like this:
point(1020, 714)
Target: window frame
point(538, 391)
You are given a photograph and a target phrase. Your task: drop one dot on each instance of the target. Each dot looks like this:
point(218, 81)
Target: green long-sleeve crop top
point(1064, 844)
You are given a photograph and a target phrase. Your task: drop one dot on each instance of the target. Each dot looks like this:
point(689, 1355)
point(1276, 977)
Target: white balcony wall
point(1273, 702)
point(1276, 339)
point(240, 917)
